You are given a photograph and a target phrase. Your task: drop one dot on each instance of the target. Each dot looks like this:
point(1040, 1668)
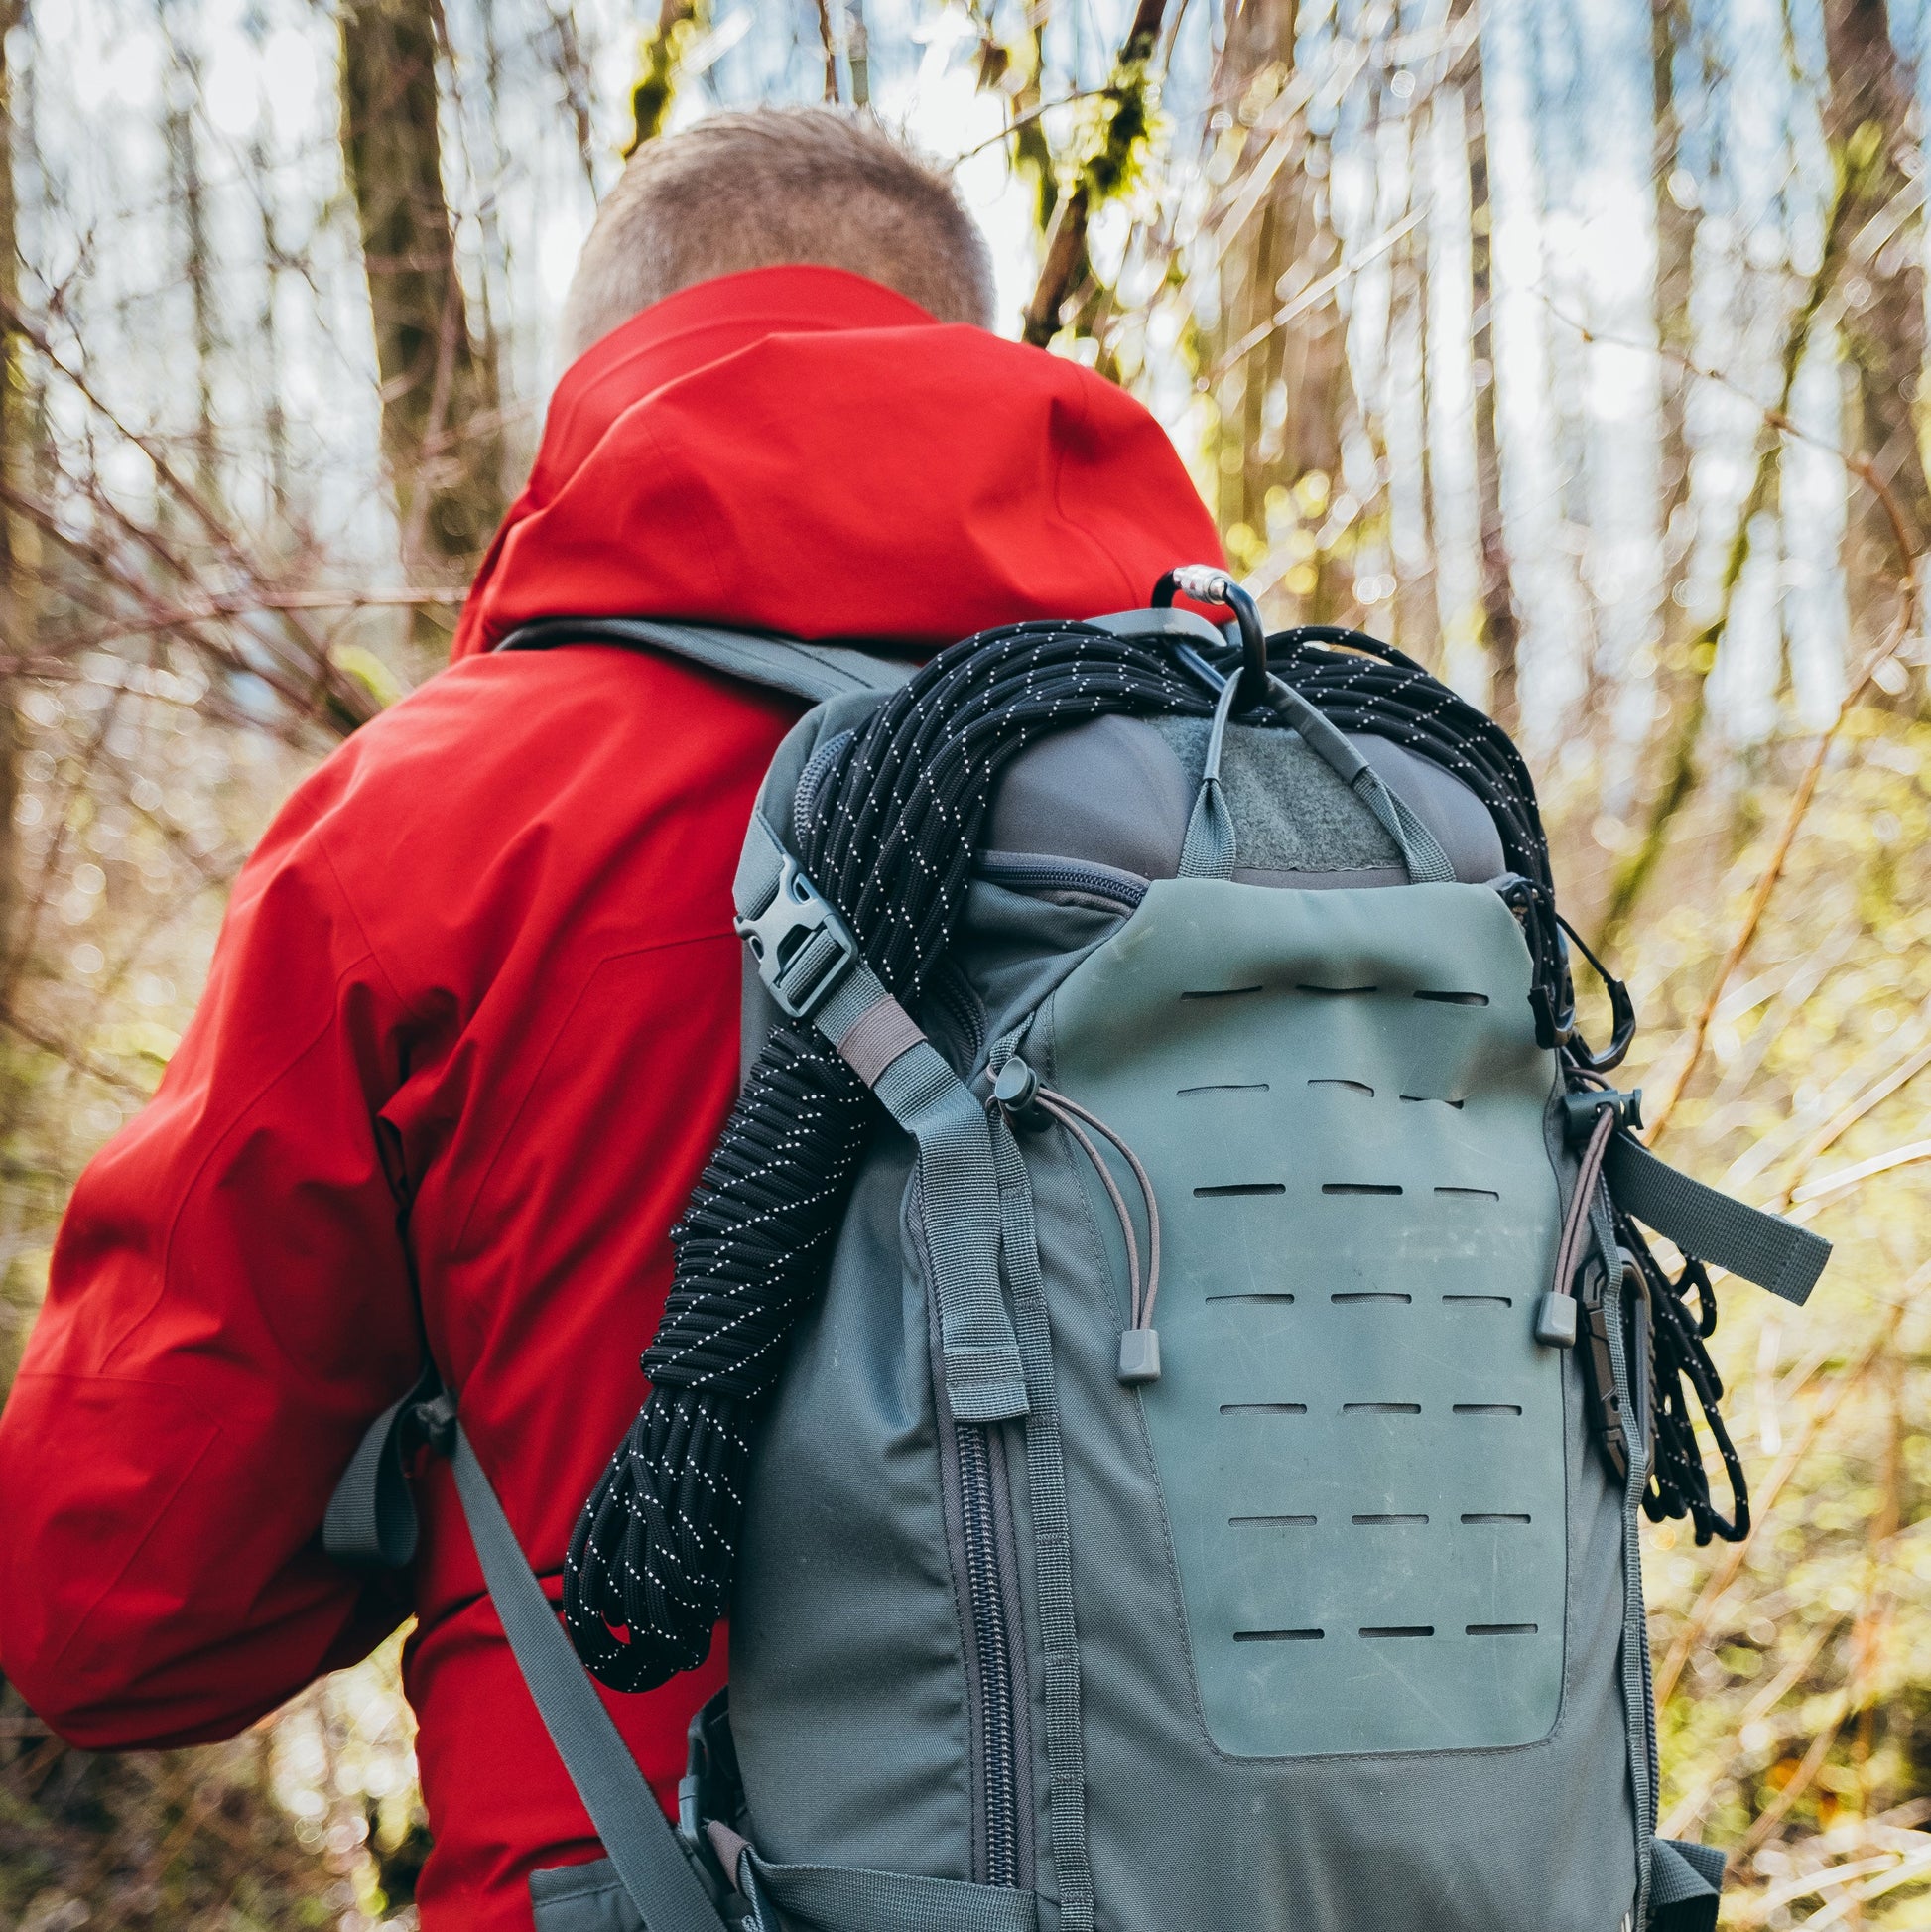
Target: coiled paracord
point(888, 830)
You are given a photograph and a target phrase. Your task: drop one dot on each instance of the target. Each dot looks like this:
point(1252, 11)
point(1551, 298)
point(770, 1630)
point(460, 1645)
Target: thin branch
point(1902, 627)
point(1814, 1193)
point(1103, 174)
point(1018, 121)
point(1703, 1611)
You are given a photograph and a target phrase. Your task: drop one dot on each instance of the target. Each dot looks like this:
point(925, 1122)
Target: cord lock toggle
point(1580, 1110)
point(1016, 1092)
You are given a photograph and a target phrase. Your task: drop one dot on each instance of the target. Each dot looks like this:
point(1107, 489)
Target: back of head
point(773, 188)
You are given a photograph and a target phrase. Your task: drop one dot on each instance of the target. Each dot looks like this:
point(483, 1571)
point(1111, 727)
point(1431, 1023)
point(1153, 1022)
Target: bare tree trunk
point(679, 23)
point(1417, 606)
point(1014, 69)
point(1502, 622)
point(274, 418)
point(1682, 730)
point(17, 604)
point(1067, 269)
point(1871, 123)
point(440, 421)
point(189, 196)
point(1278, 357)
point(1669, 25)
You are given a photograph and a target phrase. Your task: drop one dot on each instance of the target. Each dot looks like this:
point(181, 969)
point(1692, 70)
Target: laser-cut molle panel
point(1341, 1103)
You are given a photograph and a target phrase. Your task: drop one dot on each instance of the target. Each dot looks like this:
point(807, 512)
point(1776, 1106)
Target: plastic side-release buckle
point(802, 946)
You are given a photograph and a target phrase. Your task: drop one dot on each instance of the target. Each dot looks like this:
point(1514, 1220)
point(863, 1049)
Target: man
point(471, 1024)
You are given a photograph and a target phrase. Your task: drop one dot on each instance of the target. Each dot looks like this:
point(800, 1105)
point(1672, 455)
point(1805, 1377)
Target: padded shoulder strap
point(813, 671)
point(372, 1515)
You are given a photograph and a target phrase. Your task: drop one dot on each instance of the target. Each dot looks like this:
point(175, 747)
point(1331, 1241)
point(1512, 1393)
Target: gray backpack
point(1195, 1483)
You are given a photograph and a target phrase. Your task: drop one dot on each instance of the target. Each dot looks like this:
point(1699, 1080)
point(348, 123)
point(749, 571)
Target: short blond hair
point(774, 187)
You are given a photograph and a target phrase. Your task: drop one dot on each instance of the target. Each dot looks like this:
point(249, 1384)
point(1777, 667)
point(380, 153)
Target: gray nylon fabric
point(839, 1899)
point(582, 1899)
point(813, 671)
point(1063, 1788)
point(1774, 1253)
point(849, 1700)
point(1348, 1443)
point(641, 1846)
point(1293, 1838)
point(1298, 821)
point(849, 1709)
point(1291, 811)
point(1062, 795)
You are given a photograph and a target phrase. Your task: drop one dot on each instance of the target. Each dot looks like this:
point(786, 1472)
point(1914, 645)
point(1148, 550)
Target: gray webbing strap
point(812, 969)
point(660, 1880)
point(814, 671)
point(958, 1185)
point(1212, 842)
point(371, 1520)
point(960, 1191)
point(1059, 1637)
point(839, 1899)
point(1207, 851)
point(1687, 1886)
point(1421, 851)
point(1773, 1253)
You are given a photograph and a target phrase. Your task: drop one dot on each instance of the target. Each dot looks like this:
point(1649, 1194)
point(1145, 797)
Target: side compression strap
point(1687, 1886)
point(1773, 1253)
point(655, 1871)
point(372, 1513)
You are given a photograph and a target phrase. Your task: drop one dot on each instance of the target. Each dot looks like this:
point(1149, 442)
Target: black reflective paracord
point(1679, 1484)
point(651, 1558)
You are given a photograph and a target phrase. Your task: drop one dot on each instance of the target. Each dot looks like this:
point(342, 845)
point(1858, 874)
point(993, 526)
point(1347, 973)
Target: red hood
point(800, 450)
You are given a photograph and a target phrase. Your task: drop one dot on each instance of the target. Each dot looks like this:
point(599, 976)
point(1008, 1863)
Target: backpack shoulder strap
point(371, 1521)
point(811, 671)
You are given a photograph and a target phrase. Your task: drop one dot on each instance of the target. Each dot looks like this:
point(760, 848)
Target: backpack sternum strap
point(1773, 1253)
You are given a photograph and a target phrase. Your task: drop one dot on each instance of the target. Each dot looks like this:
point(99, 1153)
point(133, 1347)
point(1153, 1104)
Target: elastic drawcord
point(1569, 1249)
point(1065, 1111)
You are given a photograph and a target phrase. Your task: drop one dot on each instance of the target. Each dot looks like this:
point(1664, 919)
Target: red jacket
point(472, 1027)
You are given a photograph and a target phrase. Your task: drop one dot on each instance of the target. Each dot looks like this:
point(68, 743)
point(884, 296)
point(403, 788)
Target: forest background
point(1576, 345)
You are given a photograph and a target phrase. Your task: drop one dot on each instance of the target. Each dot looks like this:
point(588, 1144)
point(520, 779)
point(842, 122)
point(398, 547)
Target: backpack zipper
point(978, 1534)
point(994, 1741)
point(1063, 876)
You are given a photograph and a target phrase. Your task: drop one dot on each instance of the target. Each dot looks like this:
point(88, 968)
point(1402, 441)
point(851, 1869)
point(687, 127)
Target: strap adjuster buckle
point(431, 1424)
point(802, 948)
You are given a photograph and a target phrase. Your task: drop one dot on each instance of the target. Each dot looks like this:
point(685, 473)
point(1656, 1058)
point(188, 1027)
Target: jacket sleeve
point(229, 1304)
